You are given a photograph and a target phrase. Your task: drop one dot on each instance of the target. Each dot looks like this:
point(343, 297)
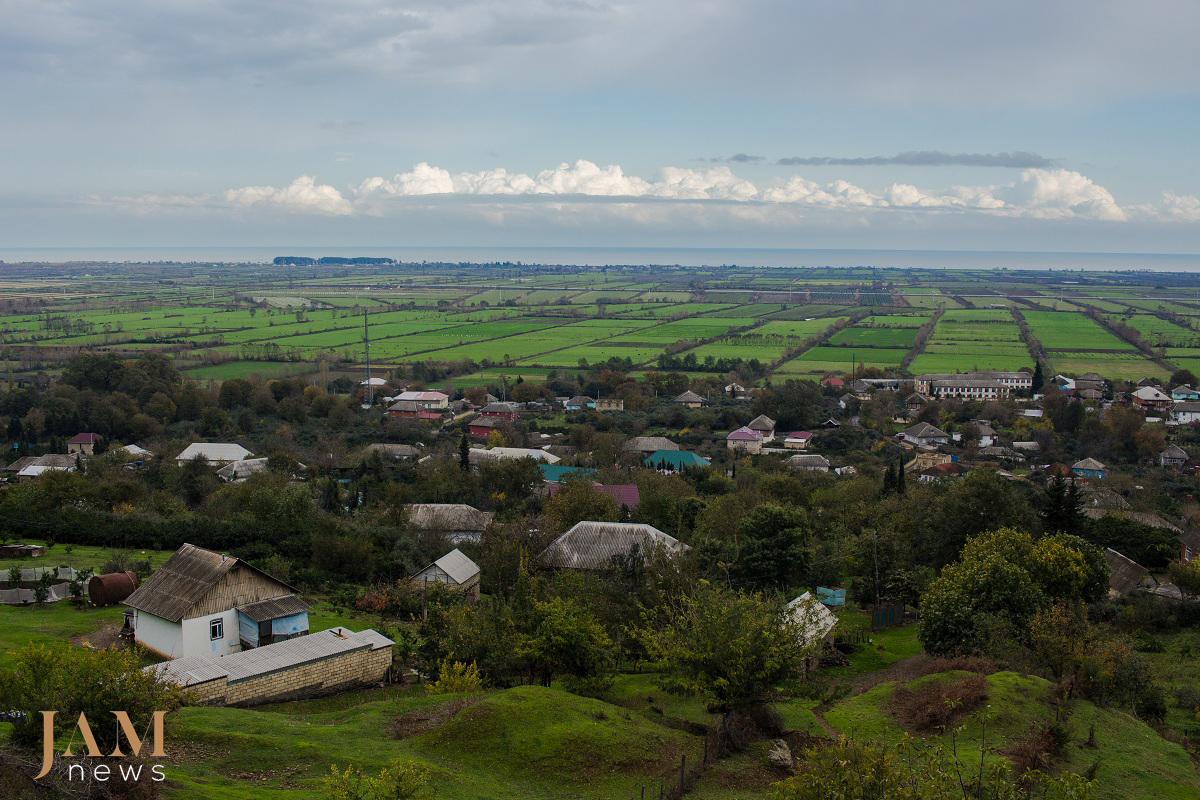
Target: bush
point(400, 781)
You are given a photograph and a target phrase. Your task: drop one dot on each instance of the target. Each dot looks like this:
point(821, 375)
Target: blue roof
point(557, 472)
point(675, 459)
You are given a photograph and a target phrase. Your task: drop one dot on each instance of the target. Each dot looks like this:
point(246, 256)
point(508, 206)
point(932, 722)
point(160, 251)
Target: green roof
point(675, 459)
point(557, 472)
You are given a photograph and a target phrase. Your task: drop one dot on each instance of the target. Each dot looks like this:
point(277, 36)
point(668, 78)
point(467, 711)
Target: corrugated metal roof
point(1125, 574)
point(761, 423)
point(178, 584)
point(213, 452)
point(274, 608)
point(457, 566)
point(592, 545)
point(813, 618)
point(447, 517)
point(649, 444)
point(270, 658)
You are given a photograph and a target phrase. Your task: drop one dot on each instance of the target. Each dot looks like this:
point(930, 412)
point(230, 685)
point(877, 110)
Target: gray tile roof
point(457, 566)
point(447, 517)
point(592, 545)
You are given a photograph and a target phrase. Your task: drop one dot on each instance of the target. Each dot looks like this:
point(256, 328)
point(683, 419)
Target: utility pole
point(875, 548)
point(367, 352)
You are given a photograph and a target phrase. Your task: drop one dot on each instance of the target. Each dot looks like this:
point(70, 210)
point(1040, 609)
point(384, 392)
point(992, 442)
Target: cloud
point(303, 195)
point(677, 193)
point(928, 158)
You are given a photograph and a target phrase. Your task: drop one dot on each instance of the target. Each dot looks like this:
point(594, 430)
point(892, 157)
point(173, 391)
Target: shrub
point(399, 781)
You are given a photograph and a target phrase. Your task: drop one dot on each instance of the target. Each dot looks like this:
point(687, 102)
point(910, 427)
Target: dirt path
point(905, 669)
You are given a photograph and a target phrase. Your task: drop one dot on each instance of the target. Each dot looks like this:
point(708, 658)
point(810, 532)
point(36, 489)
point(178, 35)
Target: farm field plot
point(246, 369)
point(1166, 305)
point(670, 310)
point(1120, 366)
point(660, 296)
point(1053, 303)
point(493, 296)
point(454, 338)
point(857, 336)
point(951, 361)
point(1192, 364)
point(1160, 332)
point(930, 301)
point(1173, 353)
point(547, 296)
point(748, 310)
point(592, 297)
point(767, 343)
point(543, 340)
point(1066, 331)
point(1104, 305)
point(354, 336)
point(638, 352)
point(822, 359)
point(807, 312)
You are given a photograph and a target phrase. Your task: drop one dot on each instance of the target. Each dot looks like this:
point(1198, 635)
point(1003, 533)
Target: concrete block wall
point(344, 671)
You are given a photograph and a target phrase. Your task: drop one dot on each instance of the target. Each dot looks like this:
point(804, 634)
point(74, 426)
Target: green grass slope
point(527, 742)
point(1134, 760)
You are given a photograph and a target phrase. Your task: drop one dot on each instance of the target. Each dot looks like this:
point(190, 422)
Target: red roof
point(744, 434)
point(833, 382)
point(85, 438)
point(799, 435)
point(626, 495)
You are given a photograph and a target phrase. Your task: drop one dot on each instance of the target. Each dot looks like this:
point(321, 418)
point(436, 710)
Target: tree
point(1003, 578)
point(566, 640)
point(1184, 376)
point(577, 500)
point(1039, 377)
point(1062, 506)
point(773, 552)
point(464, 453)
point(733, 647)
point(1186, 575)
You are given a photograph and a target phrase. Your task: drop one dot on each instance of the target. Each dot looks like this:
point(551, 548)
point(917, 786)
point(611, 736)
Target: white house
point(426, 400)
point(453, 569)
point(205, 603)
point(1185, 413)
point(925, 434)
point(215, 453)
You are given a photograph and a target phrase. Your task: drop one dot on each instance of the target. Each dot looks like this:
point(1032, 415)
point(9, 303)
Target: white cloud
point(303, 195)
point(584, 190)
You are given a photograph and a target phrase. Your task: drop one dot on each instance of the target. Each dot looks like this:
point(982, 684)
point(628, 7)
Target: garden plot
point(1160, 332)
point(819, 360)
point(1067, 331)
point(543, 341)
point(767, 342)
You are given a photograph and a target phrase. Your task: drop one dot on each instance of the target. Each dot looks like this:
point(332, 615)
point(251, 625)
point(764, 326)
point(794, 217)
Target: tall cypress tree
point(889, 480)
point(464, 454)
point(900, 476)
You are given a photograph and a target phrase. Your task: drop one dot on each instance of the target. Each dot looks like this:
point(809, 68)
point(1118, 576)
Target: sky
point(1015, 125)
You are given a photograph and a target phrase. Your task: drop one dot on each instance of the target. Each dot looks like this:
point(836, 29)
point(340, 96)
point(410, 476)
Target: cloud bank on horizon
point(1035, 193)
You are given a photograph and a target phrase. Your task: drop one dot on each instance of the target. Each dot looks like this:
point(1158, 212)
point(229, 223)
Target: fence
point(676, 784)
point(22, 597)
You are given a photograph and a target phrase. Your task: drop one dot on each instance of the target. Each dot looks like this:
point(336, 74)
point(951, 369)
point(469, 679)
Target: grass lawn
point(80, 556)
point(48, 624)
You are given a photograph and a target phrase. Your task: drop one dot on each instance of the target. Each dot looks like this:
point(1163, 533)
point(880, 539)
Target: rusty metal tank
point(110, 589)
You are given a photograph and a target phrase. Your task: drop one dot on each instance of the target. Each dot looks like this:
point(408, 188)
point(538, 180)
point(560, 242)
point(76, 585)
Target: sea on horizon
point(633, 256)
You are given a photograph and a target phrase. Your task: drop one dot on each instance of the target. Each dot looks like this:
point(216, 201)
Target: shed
point(649, 444)
point(593, 545)
point(690, 399)
point(797, 440)
point(274, 620)
point(454, 570)
point(813, 619)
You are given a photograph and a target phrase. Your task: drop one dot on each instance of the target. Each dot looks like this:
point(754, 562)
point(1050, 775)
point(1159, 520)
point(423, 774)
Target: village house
point(625, 495)
point(477, 454)
point(500, 411)
point(1173, 456)
point(482, 427)
point(745, 440)
point(557, 473)
point(925, 435)
point(1184, 393)
point(610, 404)
point(1185, 413)
point(914, 403)
point(1151, 398)
point(412, 409)
point(1124, 574)
point(764, 425)
point(29, 467)
point(807, 462)
point(833, 382)
point(215, 454)
point(923, 461)
point(238, 471)
point(579, 403)
point(205, 603)
point(690, 399)
point(649, 444)
point(457, 522)
point(393, 452)
point(797, 440)
point(1088, 468)
point(454, 570)
point(84, 443)
point(427, 400)
point(947, 470)
point(593, 545)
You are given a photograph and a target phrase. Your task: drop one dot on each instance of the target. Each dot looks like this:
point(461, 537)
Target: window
point(216, 629)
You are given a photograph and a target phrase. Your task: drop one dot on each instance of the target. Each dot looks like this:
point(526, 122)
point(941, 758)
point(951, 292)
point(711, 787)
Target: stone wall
point(311, 679)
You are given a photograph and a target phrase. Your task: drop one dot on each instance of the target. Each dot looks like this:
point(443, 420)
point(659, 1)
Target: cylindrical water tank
point(107, 590)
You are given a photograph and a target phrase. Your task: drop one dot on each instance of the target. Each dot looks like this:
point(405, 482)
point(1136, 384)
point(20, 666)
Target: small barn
point(690, 399)
point(84, 443)
point(454, 570)
point(593, 545)
point(797, 440)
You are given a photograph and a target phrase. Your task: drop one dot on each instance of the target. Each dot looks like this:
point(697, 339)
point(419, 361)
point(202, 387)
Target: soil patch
point(418, 721)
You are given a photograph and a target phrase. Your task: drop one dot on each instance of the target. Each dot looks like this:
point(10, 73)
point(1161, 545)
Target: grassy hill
point(527, 742)
point(1134, 761)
